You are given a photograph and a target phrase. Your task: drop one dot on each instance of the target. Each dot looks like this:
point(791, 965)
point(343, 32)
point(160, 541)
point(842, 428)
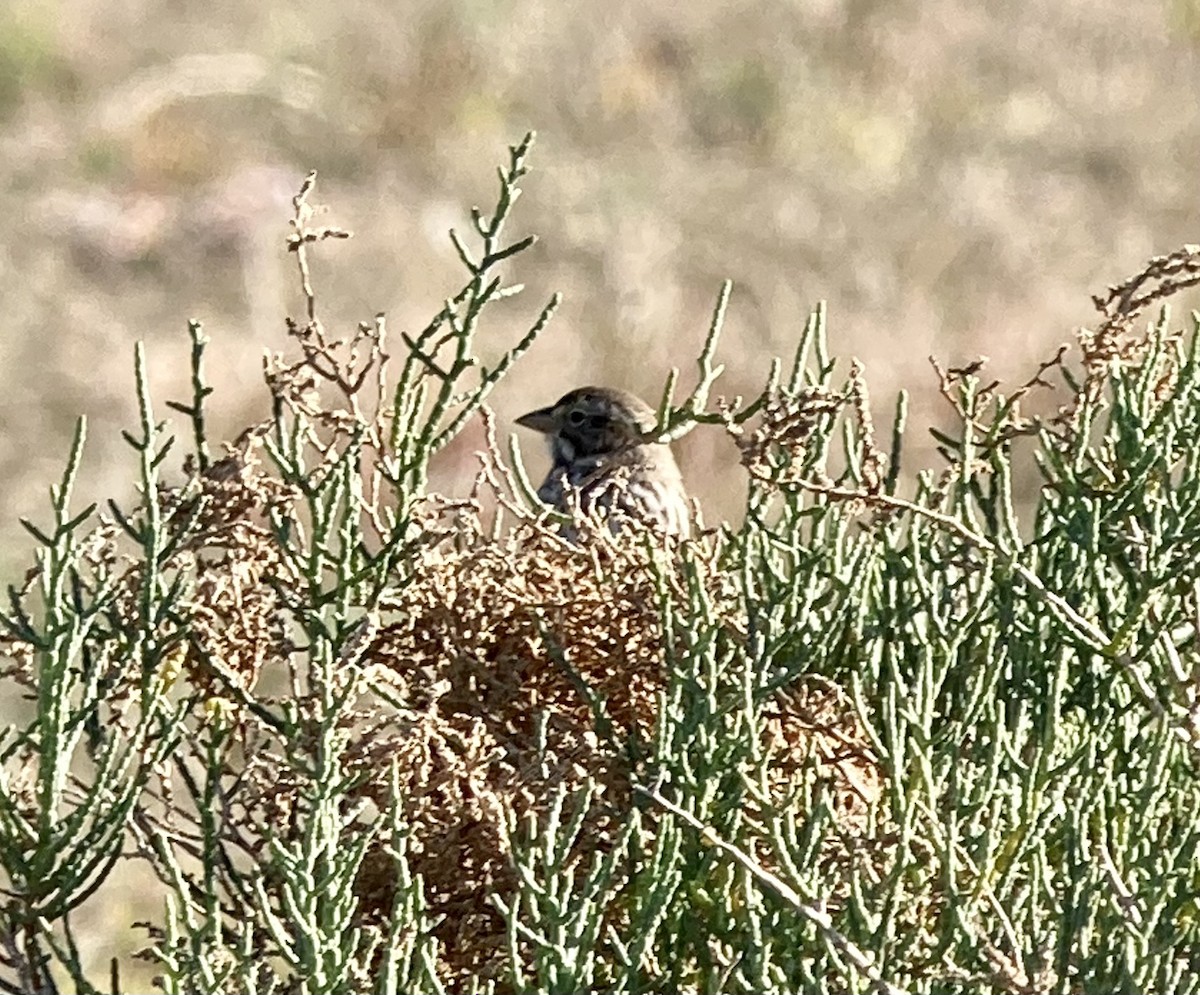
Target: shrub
point(370, 738)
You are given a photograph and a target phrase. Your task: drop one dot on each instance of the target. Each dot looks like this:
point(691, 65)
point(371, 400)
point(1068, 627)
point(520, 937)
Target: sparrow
point(604, 465)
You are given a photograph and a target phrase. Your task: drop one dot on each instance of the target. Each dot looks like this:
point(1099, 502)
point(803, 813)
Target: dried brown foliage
point(1115, 340)
point(526, 662)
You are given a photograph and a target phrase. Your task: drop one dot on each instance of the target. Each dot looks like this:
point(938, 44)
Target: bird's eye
point(575, 417)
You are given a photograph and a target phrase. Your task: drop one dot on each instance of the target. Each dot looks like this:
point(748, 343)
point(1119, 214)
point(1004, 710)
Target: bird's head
point(592, 421)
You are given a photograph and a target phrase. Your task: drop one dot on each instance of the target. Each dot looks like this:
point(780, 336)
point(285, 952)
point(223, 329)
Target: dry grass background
point(955, 178)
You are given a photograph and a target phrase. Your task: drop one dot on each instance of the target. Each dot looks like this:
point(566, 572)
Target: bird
point(604, 465)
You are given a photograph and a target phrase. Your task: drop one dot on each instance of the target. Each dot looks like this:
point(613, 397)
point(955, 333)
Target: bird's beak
point(543, 420)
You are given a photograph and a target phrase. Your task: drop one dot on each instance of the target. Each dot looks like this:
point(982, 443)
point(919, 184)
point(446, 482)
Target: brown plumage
point(603, 465)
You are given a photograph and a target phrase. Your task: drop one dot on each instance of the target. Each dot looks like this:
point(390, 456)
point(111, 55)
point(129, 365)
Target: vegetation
point(870, 737)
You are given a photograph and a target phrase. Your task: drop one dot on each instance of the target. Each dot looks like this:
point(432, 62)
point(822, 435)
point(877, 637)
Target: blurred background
point(955, 177)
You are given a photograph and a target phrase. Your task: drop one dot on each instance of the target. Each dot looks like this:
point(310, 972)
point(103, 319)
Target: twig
point(817, 917)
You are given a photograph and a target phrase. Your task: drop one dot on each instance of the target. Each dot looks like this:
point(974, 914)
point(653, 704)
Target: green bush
point(369, 738)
